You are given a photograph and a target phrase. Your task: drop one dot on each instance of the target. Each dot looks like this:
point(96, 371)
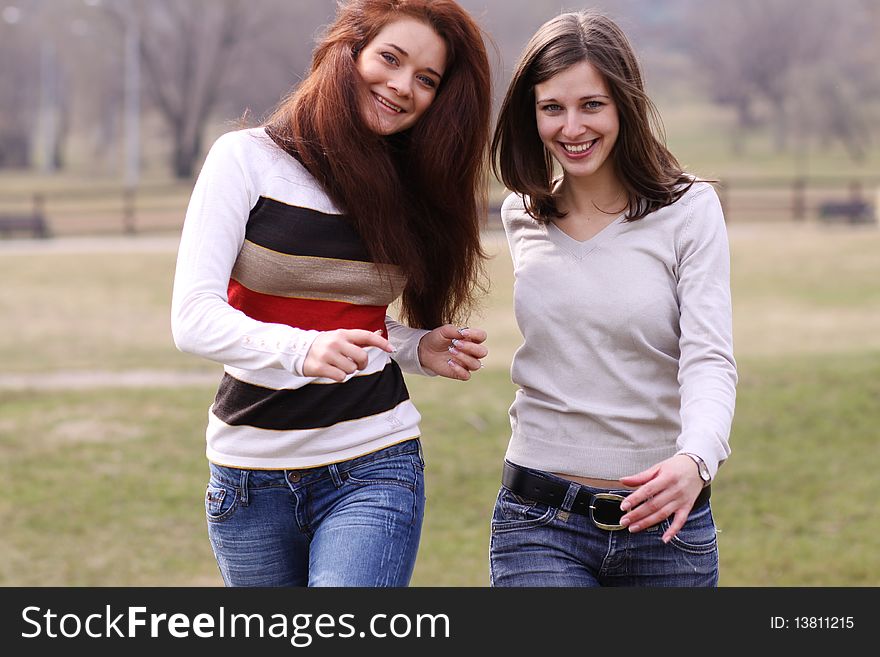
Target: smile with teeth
point(579, 148)
point(388, 104)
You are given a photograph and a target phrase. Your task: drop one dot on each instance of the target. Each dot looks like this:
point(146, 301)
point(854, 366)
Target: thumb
point(642, 477)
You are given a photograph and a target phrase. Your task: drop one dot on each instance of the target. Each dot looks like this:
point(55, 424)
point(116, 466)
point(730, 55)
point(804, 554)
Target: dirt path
point(88, 379)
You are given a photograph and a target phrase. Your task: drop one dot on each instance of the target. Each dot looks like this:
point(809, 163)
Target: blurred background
point(107, 108)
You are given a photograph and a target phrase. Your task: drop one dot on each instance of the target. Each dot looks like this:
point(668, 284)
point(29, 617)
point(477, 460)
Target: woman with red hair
point(365, 185)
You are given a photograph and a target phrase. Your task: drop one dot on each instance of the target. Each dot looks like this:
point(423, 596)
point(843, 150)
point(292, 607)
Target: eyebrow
point(406, 54)
point(590, 97)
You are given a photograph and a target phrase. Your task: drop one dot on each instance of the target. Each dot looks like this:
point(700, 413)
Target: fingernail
point(666, 540)
point(453, 350)
point(451, 363)
point(455, 342)
point(634, 528)
point(624, 521)
point(463, 331)
point(624, 506)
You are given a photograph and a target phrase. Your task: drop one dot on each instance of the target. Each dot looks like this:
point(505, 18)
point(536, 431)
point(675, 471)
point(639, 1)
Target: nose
point(574, 125)
point(401, 85)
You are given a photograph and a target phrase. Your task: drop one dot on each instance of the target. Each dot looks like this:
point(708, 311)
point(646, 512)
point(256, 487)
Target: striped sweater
point(265, 263)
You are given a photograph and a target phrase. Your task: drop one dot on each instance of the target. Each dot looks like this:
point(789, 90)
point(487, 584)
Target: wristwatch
point(702, 468)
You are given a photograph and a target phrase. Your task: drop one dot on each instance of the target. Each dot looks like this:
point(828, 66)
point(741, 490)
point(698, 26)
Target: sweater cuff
point(406, 342)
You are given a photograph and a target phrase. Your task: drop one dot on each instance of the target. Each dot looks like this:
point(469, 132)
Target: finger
point(357, 355)
point(363, 338)
point(649, 520)
point(477, 335)
point(470, 348)
point(465, 361)
point(681, 517)
point(342, 362)
point(640, 479)
point(326, 371)
point(638, 511)
point(640, 494)
point(457, 371)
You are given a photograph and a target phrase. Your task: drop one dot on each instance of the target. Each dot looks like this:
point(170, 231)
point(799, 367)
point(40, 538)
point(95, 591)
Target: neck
point(601, 192)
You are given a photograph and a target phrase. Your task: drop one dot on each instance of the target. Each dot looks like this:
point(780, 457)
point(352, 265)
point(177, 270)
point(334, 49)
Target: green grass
point(795, 503)
point(104, 488)
point(106, 484)
point(88, 311)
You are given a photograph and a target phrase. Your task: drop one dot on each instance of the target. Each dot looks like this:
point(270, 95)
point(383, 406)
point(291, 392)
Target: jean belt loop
point(243, 487)
point(570, 495)
point(335, 475)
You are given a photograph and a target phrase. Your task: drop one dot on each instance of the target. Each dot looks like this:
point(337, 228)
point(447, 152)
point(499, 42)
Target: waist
point(552, 490)
point(594, 483)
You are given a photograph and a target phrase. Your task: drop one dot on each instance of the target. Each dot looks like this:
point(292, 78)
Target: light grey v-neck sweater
point(627, 354)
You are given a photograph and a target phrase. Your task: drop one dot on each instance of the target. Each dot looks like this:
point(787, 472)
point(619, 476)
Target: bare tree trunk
point(186, 70)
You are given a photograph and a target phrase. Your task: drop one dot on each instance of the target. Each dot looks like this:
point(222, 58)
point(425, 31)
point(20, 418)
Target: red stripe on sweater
point(306, 313)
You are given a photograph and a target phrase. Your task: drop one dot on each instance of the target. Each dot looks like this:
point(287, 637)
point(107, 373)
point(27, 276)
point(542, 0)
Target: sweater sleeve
point(405, 341)
point(707, 370)
point(202, 321)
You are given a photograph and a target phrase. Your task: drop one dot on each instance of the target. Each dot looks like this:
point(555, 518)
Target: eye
point(551, 107)
point(427, 81)
point(594, 105)
point(388, 57)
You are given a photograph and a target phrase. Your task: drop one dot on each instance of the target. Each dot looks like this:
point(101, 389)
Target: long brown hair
point(651, 176)
point(417, 198)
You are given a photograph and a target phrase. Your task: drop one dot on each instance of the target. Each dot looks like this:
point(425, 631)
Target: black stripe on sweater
point(311, 407)
point(301, 231)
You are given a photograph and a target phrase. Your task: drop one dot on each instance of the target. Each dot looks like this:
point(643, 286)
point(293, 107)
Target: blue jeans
point(355, 523)
point(533, 544)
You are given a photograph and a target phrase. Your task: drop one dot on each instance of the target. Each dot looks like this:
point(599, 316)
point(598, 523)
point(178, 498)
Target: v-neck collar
point(580, 249)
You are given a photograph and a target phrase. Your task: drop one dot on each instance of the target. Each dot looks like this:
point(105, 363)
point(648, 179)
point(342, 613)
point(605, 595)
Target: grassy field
point(107, 482)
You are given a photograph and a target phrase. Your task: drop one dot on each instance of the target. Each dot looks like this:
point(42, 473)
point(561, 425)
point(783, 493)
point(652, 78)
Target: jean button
point(294, 477)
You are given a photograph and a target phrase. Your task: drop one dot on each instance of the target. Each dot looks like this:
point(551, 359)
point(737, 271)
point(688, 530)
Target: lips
point(580, 149)
point(387, 104)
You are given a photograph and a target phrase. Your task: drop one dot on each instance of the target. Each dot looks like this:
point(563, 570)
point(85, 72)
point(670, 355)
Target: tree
point(798, 64)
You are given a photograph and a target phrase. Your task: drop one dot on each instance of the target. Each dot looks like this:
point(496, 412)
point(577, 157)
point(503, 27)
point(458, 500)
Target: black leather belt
point(604, 509)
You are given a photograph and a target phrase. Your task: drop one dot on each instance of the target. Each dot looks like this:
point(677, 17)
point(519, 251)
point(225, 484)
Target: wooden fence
point(161, 208)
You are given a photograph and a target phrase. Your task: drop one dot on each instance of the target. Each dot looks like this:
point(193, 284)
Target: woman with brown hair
point(626, 373)
point(365, 185)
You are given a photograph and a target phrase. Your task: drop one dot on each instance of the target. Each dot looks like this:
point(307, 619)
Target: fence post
point(799, 200)
point(128, 210)
point(723, 190)
point(39, 205)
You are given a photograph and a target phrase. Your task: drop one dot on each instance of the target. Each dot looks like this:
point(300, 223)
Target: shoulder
point(272, 171)
point(513, 212)
point(701, 218)
point(700, 192)
point(699, 200)
point(251, 145)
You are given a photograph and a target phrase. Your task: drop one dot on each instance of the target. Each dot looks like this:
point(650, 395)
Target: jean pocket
point(403, 470)
point(220, 502)
point(513, 512)
point(698, 535)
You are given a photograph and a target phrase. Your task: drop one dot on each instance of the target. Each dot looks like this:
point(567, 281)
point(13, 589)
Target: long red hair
point(417, 198)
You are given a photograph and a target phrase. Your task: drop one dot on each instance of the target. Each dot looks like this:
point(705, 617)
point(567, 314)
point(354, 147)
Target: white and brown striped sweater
point(266, 262)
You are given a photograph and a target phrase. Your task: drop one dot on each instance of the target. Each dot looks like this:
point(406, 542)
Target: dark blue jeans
point(355, 523)
point(533, 544)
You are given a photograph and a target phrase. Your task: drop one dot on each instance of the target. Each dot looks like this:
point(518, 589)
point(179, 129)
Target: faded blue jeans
point(355, 523)
point(534, 544)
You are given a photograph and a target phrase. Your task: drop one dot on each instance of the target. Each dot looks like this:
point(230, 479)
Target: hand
point(669, 488)
point(453, 352)
point(336, 354)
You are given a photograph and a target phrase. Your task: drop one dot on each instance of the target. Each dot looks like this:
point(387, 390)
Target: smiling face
point(578, 120)
point(402, 68)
